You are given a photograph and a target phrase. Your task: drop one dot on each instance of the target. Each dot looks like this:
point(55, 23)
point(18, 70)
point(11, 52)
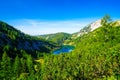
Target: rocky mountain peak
point(89, 28)
point(95, 25)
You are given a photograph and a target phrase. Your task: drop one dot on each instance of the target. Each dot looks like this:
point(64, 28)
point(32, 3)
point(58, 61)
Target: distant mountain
point(58, 38)
point(88, 28)
point(14, 42)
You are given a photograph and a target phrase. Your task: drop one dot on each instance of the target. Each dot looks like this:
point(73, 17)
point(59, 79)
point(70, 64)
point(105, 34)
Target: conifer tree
point(6, 72)
point(105, 20)
point(16, 67)
point(30, 64)
point(30, 67)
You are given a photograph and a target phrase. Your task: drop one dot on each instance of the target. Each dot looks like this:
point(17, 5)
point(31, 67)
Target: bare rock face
point(95, 25)
point(89, 28)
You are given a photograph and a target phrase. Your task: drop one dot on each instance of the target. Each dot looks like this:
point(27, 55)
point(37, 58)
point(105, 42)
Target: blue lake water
point(64, 49)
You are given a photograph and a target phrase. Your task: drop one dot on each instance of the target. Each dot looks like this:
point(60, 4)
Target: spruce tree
point(6, 72)
point(105, 20)
point(30, 67)
point(16, 67)
point(30, 64)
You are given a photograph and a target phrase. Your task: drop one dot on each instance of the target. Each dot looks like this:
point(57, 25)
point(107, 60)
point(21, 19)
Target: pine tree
point(105, 20)
point(5, 67)
point(30, 67)
point(16, 67)
point(30, 63)
point(23, 65)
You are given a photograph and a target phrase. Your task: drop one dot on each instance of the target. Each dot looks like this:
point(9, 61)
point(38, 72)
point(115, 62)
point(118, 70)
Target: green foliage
point(5, 70)
point(96, 57)
point(105, 20)
point(20, 69)
point(16, 67)
point(30, 64)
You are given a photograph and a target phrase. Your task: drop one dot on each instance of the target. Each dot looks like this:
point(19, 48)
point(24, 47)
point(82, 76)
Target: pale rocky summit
point(89, 28)
point(95, 25)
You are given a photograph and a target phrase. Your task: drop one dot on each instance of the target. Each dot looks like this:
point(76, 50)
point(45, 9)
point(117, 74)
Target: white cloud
point(38, 27)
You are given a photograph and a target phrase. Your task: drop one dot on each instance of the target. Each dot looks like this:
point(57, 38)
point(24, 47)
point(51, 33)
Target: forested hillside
point(14, 42)
point(58, 38)
point(18, 52)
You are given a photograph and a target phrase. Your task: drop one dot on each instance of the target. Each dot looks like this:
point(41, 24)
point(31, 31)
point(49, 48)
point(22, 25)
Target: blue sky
point(50, 16)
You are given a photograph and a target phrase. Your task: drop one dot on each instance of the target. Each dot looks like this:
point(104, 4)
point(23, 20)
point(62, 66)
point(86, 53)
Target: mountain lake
point(64, 49)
